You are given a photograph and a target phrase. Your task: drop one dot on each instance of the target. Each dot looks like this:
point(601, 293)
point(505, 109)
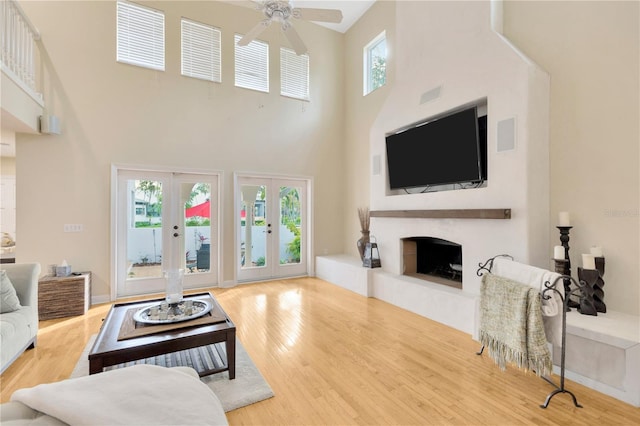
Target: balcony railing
point(18, 47)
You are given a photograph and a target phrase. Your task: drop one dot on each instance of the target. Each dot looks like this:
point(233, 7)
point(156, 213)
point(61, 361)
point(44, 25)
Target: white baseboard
point(97, 300)
point(228, 284)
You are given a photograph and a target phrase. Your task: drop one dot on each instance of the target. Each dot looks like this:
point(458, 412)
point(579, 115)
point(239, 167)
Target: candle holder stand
point(598, 292)
point(588, 278)
point(564, 240)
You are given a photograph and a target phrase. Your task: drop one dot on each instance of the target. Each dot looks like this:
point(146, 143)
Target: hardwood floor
point(334, 357)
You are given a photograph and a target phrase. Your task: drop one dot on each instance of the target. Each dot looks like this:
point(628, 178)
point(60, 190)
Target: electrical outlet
point(73, 227)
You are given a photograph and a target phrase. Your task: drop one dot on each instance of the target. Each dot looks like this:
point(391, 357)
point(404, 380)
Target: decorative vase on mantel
point(362, 242)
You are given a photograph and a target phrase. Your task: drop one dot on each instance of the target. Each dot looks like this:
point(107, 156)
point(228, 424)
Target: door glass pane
point(144, 236)
point(254, 226)
point(290, 222)
point(196, 201)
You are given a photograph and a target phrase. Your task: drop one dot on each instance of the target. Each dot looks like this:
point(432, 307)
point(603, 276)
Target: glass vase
point(173, 282)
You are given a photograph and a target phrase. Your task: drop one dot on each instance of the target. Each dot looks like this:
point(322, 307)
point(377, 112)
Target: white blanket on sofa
point(536, 278)
point(137, 395)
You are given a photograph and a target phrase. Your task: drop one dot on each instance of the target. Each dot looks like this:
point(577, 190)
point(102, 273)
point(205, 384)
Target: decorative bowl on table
point(176, 312)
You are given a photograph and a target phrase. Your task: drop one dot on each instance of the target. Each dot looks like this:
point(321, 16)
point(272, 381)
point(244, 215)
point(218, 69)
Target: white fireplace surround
point(471, 65)
point(452, 47)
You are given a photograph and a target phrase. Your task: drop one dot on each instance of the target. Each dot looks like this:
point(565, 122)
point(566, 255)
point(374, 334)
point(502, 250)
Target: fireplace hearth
point(433, 259)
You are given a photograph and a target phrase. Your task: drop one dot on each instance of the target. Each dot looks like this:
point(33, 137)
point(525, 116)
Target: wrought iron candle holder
point(564, 239)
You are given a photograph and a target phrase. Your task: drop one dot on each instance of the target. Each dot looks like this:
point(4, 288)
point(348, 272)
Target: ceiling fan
point(282, 12)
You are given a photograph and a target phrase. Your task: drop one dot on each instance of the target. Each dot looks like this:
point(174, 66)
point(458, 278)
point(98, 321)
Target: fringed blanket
point(552, 307)
point(511, 325)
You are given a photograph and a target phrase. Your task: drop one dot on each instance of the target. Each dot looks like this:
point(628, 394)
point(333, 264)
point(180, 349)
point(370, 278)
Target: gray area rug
point(247, 388)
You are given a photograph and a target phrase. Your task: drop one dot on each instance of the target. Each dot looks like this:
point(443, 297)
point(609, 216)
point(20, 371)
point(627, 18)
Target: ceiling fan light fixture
point(281, 11)
point(277, 10)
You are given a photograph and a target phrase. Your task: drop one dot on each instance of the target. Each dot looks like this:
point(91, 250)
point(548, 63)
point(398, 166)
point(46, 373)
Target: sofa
point(136, 395)
point(19, 328)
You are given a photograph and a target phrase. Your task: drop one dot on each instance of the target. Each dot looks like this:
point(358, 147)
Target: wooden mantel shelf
point(445, 214)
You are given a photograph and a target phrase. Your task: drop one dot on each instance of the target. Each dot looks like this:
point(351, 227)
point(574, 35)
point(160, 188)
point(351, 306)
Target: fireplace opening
point(433, 259)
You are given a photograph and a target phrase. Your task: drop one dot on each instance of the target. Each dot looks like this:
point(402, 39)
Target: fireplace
point(433, 259)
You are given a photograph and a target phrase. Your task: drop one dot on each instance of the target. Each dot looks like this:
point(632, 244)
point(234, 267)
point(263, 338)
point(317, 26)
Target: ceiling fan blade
point(320, 15)
point(254, 32)
point(251, 4)
point(294, 38)
point(255, 4)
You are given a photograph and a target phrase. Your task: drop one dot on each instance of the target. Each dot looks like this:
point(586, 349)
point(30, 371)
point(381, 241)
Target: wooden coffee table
point(108, 350)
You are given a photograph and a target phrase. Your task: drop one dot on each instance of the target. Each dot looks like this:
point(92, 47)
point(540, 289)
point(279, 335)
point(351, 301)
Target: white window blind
point(140, 36)
point(294, 74)
point(252, 65)
point(200, 51)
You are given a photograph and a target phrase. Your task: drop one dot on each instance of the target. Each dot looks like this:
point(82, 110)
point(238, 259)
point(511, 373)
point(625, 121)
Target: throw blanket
point(536, 278)
point(137, 395)
point(511, 325)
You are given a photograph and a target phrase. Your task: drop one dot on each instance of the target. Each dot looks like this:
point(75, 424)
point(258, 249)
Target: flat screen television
point(447, 150)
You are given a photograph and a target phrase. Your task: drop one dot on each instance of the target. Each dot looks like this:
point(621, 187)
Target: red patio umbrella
point(202, 210)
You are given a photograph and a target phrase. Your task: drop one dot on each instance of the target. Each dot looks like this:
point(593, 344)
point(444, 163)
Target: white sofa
point(18, 329)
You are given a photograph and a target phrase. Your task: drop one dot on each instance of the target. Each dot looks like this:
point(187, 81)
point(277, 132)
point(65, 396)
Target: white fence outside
point(145, 244)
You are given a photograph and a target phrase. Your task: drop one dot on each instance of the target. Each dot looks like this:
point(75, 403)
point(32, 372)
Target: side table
point(60, 297)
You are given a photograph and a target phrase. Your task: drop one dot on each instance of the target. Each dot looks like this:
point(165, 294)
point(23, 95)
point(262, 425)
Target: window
point(252, 65)
point(140, 36)
point(375, 64)
point(294, 74)
point(200, 51)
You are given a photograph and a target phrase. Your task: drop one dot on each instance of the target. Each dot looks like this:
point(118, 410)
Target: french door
point(165, 220)
point(271, 228)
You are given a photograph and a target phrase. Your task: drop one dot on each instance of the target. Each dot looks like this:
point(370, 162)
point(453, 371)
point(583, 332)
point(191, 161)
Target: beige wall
point(361, 111)
point(591, 50)
point(7, 166)
point(117, 113)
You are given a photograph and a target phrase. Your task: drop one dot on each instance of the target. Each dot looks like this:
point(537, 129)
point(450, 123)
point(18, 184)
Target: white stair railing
point(18, 46)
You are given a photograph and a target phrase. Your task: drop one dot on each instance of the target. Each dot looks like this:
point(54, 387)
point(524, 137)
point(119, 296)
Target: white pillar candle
point(596, 251)
point(588, 261)
point(558, 252)
point(564, 219)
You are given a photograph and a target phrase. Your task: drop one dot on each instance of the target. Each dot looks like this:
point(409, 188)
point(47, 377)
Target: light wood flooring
point(333, 357)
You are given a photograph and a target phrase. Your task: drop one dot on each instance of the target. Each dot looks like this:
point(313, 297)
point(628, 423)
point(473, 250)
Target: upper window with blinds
point(294, 74)
point(140, 36)
point(200, 51)
point(252, 65)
